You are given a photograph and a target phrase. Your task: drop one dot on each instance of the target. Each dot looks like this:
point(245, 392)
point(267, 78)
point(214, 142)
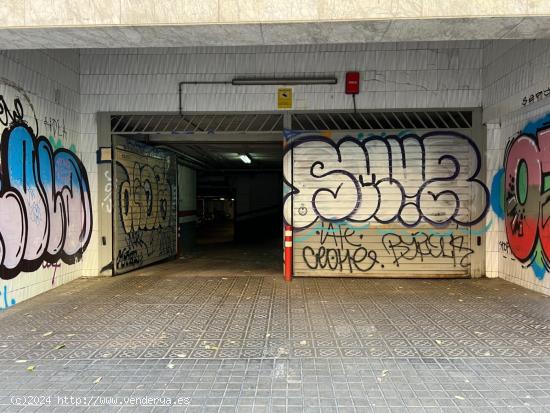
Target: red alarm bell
point(352, 83)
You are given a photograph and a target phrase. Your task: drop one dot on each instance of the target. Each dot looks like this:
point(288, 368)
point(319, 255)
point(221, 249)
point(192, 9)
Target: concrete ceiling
point(225, 156)
point(322, 32)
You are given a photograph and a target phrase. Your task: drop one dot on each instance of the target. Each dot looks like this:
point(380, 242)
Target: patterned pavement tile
point(256, 343)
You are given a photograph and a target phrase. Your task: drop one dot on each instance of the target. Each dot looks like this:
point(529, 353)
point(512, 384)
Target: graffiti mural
point(145, 204)
point(521, 196)
point(406, 179)
point(366, 204)
point(45, 205)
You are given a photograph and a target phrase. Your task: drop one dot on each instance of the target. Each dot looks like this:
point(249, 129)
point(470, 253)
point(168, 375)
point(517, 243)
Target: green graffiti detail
point(58, 144)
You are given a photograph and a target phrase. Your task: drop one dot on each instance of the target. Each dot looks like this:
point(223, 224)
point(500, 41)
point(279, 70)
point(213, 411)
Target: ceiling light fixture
point(245, 158)
point(242, 81)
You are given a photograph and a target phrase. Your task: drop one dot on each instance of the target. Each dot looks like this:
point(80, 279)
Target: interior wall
point(40, 121)
point(187, 208)
point(516, 97)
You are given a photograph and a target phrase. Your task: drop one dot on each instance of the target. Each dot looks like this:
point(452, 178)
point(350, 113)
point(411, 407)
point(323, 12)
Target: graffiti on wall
point(345, 248)
point(106, 202)
point(362, 204)
point(404, 179)
point(45, 205)
point(521, 196)
point(146, 208)
point(5, 301)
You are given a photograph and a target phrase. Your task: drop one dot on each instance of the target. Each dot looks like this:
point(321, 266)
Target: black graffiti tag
point(338, 251)
point(128, 257)
point(9, 116)
point(418, 245)
point(384, 179)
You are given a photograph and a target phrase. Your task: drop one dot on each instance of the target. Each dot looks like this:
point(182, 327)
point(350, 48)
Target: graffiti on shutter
point(383, 205)
point(145, 206)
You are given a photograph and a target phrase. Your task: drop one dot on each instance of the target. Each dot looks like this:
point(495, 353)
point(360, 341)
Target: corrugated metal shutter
point(382, 205)
point(144, 205)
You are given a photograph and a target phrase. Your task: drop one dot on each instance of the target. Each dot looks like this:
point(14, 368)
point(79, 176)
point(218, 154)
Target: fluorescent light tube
point(245, 158)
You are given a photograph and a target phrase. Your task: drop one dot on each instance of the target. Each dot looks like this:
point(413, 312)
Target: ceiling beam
point(260, 137)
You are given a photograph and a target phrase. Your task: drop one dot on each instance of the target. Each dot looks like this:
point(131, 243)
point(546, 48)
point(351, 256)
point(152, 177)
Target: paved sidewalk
point(259, 344)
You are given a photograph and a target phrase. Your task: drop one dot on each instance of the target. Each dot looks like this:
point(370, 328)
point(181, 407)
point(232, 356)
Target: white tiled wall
point(51, 81)
point(439, 74)
point(512, 70)
point(394, 76)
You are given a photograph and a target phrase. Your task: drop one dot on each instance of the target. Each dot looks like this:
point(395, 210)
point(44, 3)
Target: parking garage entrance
point(362, 194)
point(197, 187)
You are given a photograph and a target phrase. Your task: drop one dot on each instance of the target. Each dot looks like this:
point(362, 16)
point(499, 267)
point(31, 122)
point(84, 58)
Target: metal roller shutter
point(383, 205)
point(144, 205)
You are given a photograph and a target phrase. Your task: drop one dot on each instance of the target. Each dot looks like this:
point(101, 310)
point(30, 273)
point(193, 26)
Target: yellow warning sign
point(284, 98)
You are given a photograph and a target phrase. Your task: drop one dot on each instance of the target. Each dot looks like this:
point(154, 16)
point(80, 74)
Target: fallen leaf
point(181, 355)
point(49, 333)
point(30, 368)
point(97, 380)
point(459, 397)
point(170, 365)
point(21, 361)
point(384, 372)
point(71, 335)
point(303, 343)
point(438, 341)
point(59, 346)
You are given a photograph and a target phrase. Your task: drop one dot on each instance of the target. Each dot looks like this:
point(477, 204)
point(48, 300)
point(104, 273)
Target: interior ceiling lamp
point(245, 158)
point(241, 81)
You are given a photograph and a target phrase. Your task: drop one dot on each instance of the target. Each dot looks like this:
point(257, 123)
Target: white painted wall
point(511, 71)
